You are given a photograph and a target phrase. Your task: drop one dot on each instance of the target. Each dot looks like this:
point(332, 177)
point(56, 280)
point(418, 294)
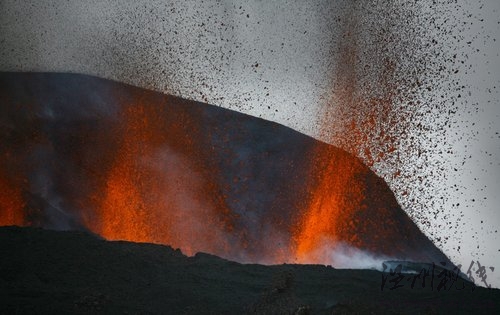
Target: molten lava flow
point(125, 211)
point(152, 193)
point(11, 202)
point(335, 196)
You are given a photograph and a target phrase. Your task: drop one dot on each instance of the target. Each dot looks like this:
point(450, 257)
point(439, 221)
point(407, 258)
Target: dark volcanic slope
point(49, 272)
point(79, 152)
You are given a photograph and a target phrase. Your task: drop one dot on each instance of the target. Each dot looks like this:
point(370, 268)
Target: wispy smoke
point(342, 256)
point(189, 219)
point(46, 204)
point(347, 257)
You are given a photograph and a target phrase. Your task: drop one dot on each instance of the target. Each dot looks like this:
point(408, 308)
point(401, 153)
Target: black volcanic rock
point(237, 186)
point(53, 272)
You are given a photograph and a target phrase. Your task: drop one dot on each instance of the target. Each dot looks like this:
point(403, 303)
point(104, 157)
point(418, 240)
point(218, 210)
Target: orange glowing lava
point(123, 209)
point(11, 203)
point(335, 196)
point(360, 121)
point(152, 193)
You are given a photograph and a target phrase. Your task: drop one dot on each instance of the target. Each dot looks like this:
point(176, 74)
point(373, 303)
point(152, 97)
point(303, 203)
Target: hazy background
point(309, 65)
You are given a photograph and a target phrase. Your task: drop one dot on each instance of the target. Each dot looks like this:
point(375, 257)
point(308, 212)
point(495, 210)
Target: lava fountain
point(152, 193)
point(335, 196)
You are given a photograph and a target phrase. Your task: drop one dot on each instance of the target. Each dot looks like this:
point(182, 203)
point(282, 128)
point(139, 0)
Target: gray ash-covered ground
point(51, 272)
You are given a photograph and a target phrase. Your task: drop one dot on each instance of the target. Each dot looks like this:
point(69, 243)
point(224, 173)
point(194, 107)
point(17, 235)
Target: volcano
point(84, 153)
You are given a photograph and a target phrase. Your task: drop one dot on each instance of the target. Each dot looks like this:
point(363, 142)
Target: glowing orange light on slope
point(152, 194)
point(335, 196)
point(11, 203)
